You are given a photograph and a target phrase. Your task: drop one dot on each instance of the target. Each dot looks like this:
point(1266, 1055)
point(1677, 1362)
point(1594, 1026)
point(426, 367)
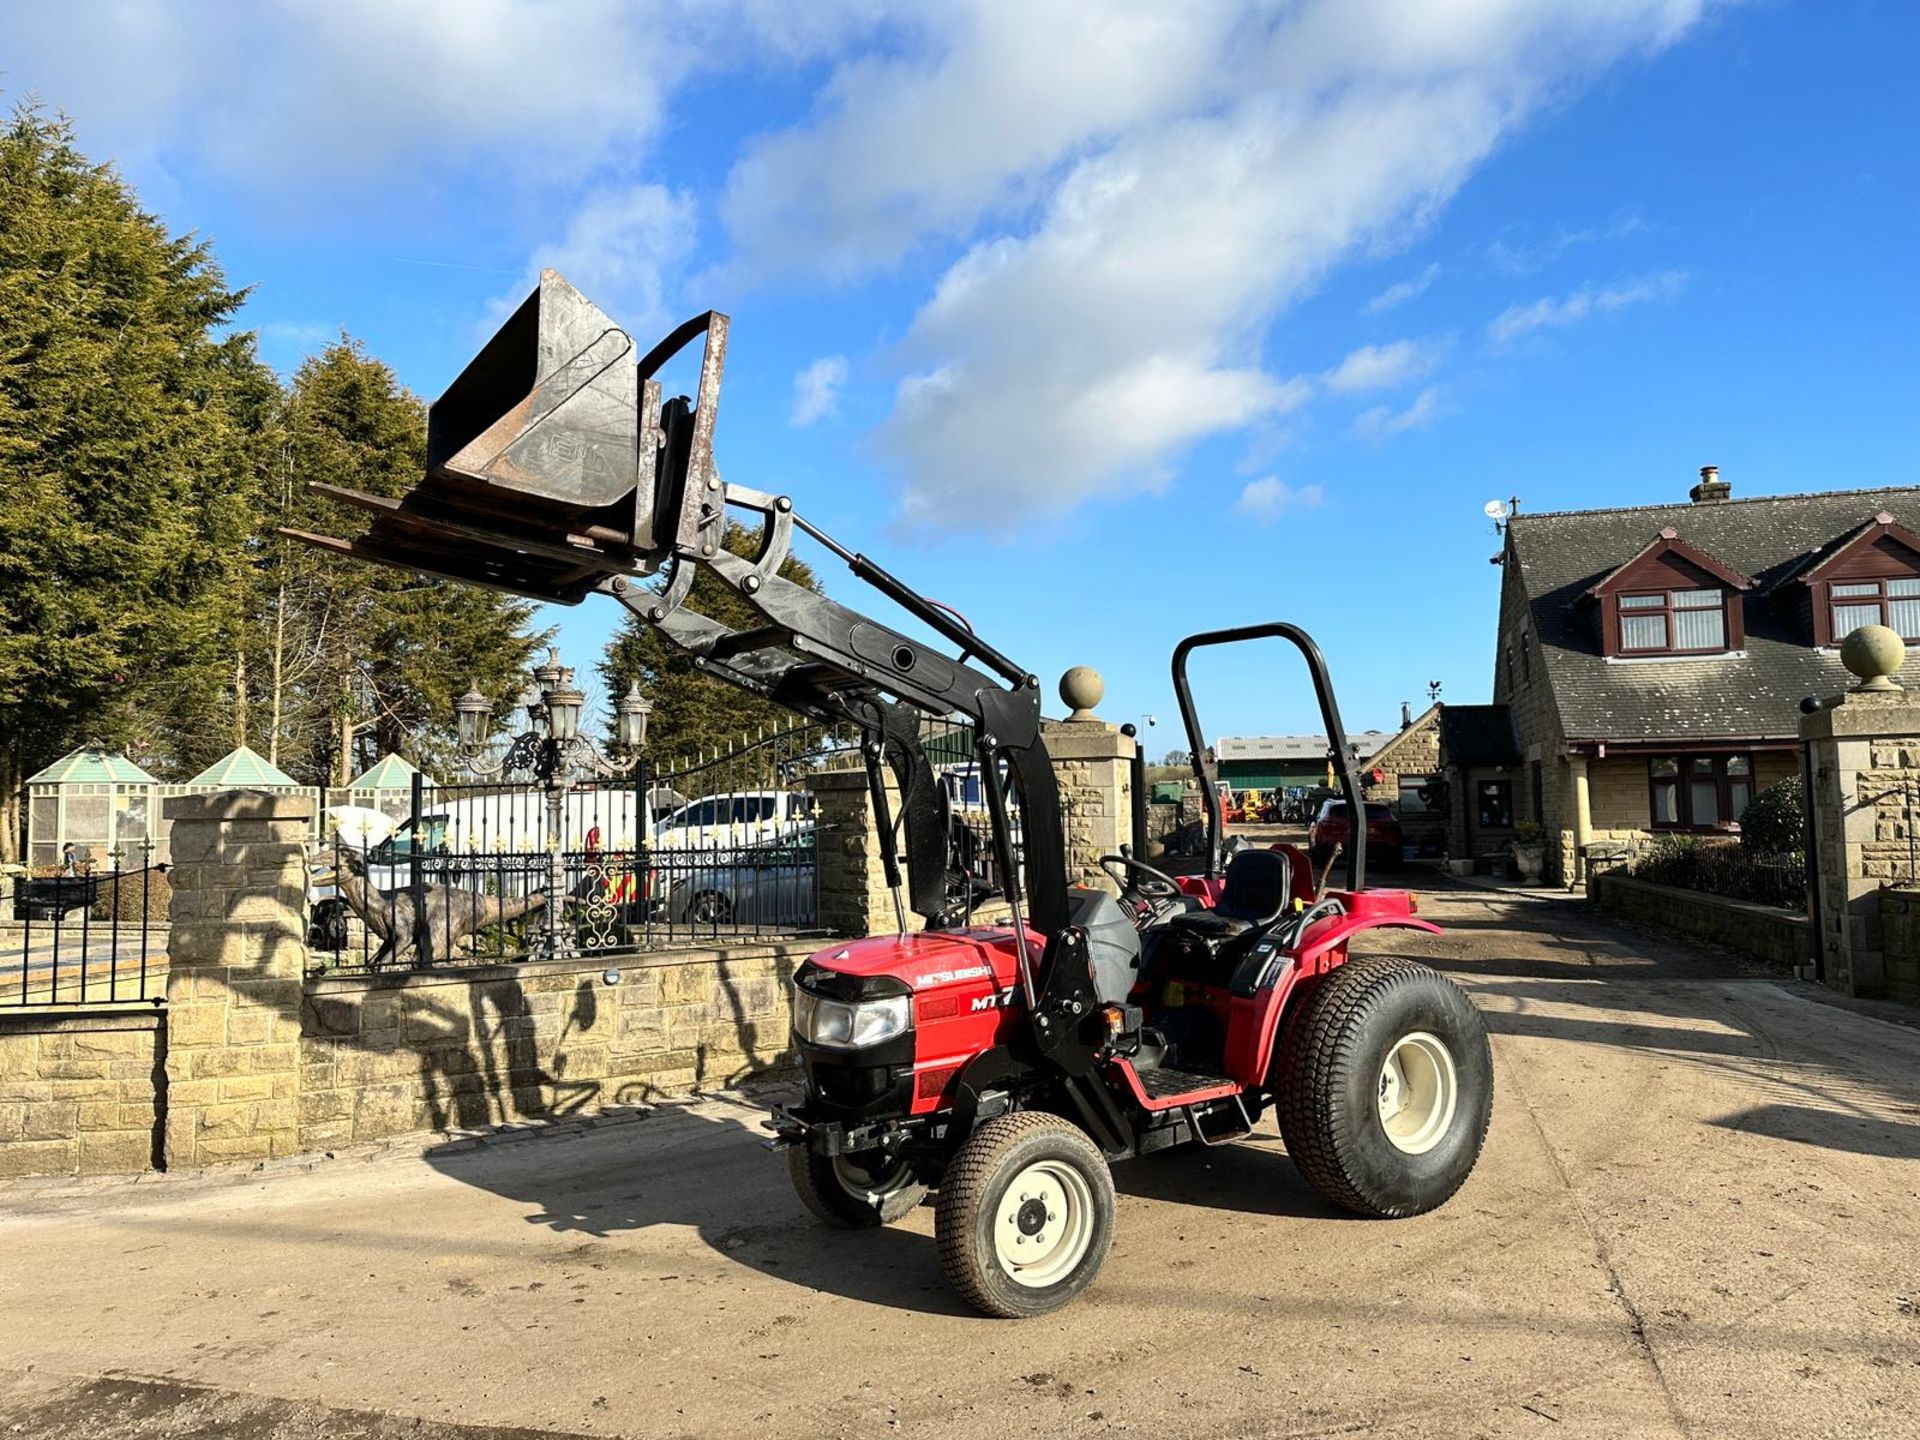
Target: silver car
point(771, 885)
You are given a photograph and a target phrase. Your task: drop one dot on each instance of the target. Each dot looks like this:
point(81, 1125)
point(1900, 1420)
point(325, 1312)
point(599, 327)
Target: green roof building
point(242, 768)
point(95, 799)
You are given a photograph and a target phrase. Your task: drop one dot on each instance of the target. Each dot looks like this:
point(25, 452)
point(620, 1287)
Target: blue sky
point(1102, 324)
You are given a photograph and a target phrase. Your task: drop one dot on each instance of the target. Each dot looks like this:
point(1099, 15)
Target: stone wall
point(1865, 754)
point(1414, 751)
point(236, 952)
point(1782, 937)
point(468, 1048)
point(78, 1091)
point(1900, 940)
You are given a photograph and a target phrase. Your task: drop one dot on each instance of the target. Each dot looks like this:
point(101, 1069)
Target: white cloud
point(1381, 367)
point(1551, 312)
point(984, 100)
point(620, 249)
point(1270, 497)
point(1129, 246)
point(1383, 422)
point(1522, 250)
point(1402, 291)
point(816, 389)
point(304, 97)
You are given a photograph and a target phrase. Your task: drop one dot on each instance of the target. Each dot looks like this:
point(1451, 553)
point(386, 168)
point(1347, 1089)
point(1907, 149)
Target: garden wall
point(78, 1091)
point(463, 1049)
point(1782, 937)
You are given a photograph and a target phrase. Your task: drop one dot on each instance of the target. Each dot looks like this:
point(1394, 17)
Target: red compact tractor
point(1003, 1066)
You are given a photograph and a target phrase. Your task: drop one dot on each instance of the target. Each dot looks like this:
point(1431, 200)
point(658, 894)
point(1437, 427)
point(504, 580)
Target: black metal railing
point(93, 937)
point(720, 847)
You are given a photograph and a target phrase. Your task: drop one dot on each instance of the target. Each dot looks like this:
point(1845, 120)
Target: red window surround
point(1698, 792)
point(1871, 578)
point(1671, 599)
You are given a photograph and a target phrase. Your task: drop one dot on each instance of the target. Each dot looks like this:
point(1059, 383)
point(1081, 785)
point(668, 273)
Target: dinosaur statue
point(454, 913)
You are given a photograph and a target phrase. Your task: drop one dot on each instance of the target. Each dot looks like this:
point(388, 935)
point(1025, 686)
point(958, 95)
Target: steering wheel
point(1139, 877)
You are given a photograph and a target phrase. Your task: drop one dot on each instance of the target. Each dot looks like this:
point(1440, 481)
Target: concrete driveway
point(1697, 1215)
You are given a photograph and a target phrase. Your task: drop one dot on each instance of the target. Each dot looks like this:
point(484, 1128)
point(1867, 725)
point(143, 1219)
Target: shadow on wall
point(485, 1063)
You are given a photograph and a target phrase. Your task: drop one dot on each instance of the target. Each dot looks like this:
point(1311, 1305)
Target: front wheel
point(1385, 1087)
point(1025, 1216)
point(854, 1192)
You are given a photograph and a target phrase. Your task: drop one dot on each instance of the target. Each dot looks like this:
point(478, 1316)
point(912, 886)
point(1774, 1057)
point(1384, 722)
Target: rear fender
point(1256, 1021)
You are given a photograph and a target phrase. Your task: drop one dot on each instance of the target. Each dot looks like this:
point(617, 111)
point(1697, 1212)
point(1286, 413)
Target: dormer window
point(1893, 603)
point(1673, 622)
point(1671, 599)
point(1870, 576)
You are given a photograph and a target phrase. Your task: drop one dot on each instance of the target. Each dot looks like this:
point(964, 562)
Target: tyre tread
point(1318, 1043)
point(963, 1188)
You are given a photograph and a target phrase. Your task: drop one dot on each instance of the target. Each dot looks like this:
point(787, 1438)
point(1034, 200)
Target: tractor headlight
point(849, 1024)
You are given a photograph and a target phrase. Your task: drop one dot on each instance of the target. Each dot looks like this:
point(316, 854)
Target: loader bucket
point(549, 408)
point(552, 463)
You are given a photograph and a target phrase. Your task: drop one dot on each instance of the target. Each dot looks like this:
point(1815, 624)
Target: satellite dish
point(1495, 510)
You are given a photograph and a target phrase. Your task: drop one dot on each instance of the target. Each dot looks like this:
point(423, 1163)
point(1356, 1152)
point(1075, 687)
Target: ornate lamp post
point(554, 752)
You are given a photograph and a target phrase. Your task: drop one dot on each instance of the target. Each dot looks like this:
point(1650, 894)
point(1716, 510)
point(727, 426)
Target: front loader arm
point(555, 470)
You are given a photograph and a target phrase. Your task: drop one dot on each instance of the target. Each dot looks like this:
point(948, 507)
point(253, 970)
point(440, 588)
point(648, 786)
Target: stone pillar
point(854, 899)
point(1093, 762)
point(1864, 753)
point(1582, 815)
point(236, 960)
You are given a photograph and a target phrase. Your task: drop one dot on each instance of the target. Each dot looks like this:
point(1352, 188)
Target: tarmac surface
point(1696, 1215)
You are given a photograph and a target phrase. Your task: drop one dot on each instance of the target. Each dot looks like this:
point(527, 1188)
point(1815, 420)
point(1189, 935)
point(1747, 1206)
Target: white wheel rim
point(857, 1180)
point(1417, 1093)
point(1043, 1224)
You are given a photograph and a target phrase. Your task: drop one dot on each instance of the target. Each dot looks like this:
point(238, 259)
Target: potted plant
point(1529, 850)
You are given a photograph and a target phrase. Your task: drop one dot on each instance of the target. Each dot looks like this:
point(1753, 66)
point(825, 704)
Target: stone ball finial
point(1081, 688)
point(1875, 653)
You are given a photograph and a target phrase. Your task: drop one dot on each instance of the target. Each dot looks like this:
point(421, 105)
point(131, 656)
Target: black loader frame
point(555, 471)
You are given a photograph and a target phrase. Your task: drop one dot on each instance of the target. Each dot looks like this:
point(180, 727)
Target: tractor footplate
point(1162, 1083)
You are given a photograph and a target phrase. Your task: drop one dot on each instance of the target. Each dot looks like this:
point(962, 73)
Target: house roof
point(1751, 695)
point(1478, 735)
point(91, 765)
point(390, 772)
point(1404, 734)
point(241, 766)
point(1668, 541)
point(1294, 747)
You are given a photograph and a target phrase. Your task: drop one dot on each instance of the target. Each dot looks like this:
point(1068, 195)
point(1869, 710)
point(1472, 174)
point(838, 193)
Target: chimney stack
point(1406, 715)
point(1711, 487)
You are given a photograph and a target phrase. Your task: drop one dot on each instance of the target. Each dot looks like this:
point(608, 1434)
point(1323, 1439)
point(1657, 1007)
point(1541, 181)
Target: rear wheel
point(854, 1192)
point(1386, 1087)
point(710, 907)
point(1025, 1216)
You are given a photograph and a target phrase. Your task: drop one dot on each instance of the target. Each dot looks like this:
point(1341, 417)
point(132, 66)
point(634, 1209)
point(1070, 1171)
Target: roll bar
point(1329, 714)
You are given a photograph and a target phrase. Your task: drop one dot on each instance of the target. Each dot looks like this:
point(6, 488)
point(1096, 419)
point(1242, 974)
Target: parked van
point(735, 818)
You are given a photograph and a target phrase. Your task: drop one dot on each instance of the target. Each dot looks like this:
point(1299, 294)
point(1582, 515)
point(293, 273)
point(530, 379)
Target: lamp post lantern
point(554, 752)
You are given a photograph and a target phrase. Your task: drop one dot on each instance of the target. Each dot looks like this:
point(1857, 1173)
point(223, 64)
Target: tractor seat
point(1258, 885)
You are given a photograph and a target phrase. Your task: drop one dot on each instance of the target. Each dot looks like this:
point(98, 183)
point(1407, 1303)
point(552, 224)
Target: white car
point(734, 820)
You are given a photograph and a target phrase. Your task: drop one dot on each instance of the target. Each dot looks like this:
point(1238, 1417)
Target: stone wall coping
point(1608, 879)
point(1859, 714)
point(117, 1015)
point(239, 805)
point(1085, 740)
point(595, 965)
point(843, 779)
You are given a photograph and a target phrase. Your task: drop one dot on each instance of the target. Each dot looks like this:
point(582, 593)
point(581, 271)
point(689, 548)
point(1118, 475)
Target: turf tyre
point(1333, 1057)
point(841, 1192)
point(977, 1197)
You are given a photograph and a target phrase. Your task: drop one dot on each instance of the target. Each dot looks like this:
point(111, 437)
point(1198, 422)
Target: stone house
point(1400, 774)
point(1650, 661)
